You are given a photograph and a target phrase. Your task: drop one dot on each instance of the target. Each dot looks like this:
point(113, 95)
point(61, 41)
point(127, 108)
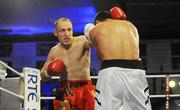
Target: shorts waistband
point(78, 83)
point(131, 64)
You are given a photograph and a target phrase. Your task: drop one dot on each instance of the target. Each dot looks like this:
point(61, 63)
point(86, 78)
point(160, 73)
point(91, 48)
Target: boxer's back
point(116, 39)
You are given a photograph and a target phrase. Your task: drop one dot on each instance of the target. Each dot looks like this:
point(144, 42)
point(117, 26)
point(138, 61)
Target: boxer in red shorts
point(70, 59)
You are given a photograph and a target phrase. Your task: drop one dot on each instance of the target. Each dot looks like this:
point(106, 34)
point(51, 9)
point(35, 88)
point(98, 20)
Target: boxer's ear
point(55, 33)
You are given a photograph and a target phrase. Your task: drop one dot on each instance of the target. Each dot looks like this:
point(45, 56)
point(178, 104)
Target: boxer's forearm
point(43, 75)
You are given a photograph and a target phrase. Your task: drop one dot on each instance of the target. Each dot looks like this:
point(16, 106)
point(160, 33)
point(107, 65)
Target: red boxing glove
point(55, 67)
point(117, 13)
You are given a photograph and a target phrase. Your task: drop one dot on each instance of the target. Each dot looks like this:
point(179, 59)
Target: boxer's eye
point(69, 29)
point(62, 30)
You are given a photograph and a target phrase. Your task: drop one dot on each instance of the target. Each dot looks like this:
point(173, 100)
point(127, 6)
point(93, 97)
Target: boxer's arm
point(43, 71)
point(87, 44)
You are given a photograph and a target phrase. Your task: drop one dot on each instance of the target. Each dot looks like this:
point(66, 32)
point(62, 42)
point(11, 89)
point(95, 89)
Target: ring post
point(167, 92)
point(32, 96)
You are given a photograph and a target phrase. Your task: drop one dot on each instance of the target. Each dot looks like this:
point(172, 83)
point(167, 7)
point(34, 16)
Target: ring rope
point(13, 70)
point(147, 76)
point(151, 96)
point(163, 96)
point(5, 90)
point(47, 98)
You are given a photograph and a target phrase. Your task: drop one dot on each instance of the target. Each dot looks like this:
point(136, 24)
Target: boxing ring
point(31, 97)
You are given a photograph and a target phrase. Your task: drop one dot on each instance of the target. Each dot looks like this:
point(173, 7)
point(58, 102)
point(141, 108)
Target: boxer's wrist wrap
point(47, 75)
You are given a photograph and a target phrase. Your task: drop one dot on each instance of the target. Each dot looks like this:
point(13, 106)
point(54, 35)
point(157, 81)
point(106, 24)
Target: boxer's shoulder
point(80, 38)
point(55, 47)
point(81, 41)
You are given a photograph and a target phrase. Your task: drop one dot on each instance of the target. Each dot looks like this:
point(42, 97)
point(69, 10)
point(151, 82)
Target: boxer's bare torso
point(119, 42)
point(76, 59)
